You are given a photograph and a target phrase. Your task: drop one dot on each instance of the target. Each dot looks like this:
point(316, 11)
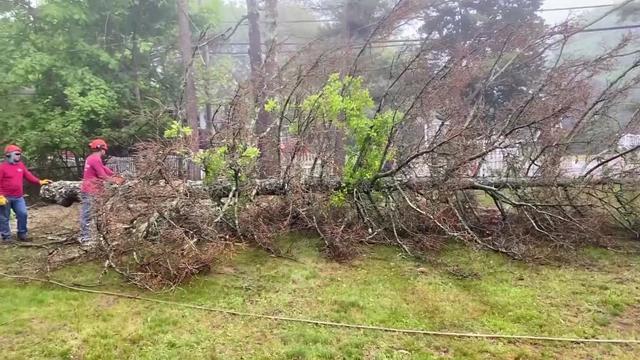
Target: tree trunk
point(261, 79)
point(65, 193)
point(206, 56)
point(269, 138)
point(208, 107)
point(339, 153)
point(255, 49)
point(190, 99)
point(135, 59)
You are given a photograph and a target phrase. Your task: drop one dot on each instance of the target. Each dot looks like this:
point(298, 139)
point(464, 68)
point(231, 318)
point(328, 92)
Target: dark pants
point(19, 207)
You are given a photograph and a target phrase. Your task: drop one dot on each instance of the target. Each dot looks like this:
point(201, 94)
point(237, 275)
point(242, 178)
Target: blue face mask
point(14, 157)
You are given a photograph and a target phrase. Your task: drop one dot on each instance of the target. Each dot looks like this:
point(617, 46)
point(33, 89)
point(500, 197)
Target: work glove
point(3, 200)
point(45, 182)
point(118, 180)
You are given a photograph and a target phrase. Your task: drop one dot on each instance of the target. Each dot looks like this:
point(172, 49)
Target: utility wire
point(416, 42)
point(610, 28)
point(585, 7)
point(397, 42)
point(313, 21)
point(401, 42)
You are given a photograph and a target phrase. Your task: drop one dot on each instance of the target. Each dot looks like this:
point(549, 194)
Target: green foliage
point(249, 156)
point(233, 164)
point(214, 162)
point(271, 105)
point(177, 131)
point(206, 13)
point(338, 198)
point(371, 136)
point(71, 71)
point(345, 103)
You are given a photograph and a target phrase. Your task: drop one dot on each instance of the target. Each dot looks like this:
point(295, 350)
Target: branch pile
point(392, 156)
point(156, 230)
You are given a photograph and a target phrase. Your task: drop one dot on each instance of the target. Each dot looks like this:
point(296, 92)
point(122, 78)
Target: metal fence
point(500, 164)
point(182, 167)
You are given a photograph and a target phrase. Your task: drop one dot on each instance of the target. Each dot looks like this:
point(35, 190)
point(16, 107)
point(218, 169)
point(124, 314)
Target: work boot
point(23, 238)
point(87, 241)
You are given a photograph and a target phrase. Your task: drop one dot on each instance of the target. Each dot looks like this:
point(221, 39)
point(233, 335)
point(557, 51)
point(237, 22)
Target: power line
point(313, 21)
point(399, 42)
point(324, 21)
point(299, 43)
point(289, 21)
point(585, 7)
point(621, 27)
point(414, 42)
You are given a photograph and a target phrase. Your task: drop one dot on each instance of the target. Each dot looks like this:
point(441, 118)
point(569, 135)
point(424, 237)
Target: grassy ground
point(596, 295)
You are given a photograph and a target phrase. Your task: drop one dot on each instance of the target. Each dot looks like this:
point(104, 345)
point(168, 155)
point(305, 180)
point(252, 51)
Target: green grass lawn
point(459, 289)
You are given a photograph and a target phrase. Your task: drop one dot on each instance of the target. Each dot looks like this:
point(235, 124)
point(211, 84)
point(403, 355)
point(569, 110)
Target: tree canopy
point(73, 70)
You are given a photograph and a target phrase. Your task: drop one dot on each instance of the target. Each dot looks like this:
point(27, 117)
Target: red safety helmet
point(12, 148)
point(98, 144)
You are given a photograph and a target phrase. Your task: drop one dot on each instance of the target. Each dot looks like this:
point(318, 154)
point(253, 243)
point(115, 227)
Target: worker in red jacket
point(12, 175)
point(95, 174)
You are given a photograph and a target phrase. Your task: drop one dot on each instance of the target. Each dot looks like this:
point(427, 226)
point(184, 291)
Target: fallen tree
point(66, 193)
point(391, 168)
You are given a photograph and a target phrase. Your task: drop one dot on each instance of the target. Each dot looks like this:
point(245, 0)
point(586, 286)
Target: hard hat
point(98, 144)
point(12, 148)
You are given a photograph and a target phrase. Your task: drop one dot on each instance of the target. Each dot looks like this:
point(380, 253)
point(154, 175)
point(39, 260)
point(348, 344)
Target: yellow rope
point(326, 323)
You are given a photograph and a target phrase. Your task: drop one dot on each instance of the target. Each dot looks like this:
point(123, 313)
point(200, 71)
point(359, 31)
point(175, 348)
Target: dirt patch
point(53, 221)
point(629, 321)
point(106, 302)
point(53, 230)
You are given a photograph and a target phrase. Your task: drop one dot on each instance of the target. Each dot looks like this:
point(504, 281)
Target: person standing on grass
point(94, 176)
point(12, 176)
